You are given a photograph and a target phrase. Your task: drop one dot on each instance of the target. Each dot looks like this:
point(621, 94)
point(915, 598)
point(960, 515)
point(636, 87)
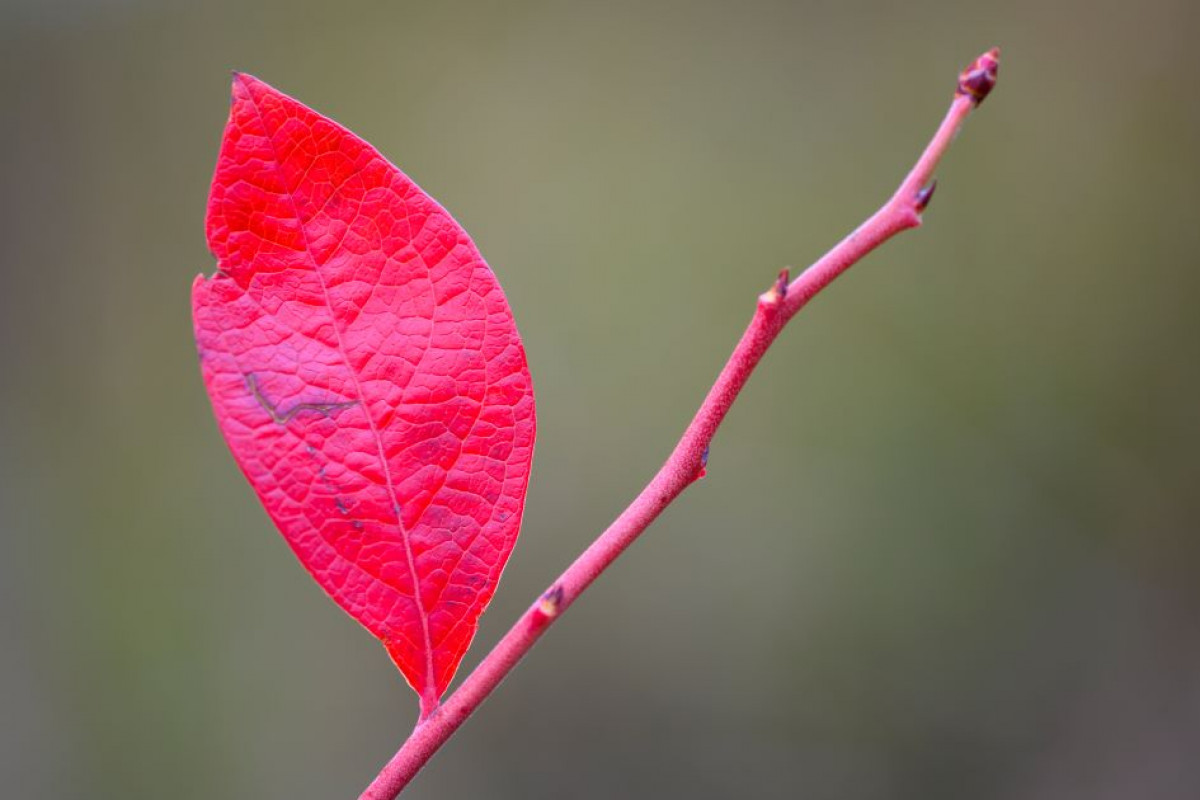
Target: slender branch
point(775, 307)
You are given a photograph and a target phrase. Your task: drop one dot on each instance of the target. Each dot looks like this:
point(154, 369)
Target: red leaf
point(365, 369)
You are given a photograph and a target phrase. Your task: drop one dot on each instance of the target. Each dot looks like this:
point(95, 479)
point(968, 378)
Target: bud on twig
point(550, 603)
point(781, 283)
point(778, 290)
point(978, 79)
point(924, 196)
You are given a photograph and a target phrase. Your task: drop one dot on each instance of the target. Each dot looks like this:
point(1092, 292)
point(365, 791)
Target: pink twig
point(775, 307)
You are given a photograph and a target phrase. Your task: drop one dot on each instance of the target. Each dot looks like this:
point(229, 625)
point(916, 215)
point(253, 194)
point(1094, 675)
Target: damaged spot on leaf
point(283, 417)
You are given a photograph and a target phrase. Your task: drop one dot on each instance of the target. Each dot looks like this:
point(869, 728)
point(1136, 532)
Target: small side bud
point(703, 470)
point(778, 290)
point(781, 283)
point(924, 196)
point(977, 80)
point(550, 603)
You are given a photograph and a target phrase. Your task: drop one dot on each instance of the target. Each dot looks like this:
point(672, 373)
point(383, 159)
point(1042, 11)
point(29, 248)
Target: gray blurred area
point(947, 545)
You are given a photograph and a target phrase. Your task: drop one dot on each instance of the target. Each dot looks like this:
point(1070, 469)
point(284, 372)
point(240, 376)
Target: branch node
point(978, 79)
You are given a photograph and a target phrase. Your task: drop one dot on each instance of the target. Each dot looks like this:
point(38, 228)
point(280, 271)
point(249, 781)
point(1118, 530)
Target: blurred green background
point(947, 547)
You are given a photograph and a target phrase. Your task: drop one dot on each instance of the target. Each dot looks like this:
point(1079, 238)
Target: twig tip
point(979, 78)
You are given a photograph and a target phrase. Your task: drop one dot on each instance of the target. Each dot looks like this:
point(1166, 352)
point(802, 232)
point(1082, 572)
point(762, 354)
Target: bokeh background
point(947, 547)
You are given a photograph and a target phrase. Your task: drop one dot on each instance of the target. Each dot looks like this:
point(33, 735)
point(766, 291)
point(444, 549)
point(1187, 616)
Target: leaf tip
point(235, 79)
point(244, 85)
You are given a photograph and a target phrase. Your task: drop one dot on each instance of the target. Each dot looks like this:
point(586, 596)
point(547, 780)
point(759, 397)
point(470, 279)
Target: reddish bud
point(550, 603)
point(978, 79)
point(781, 283)
point(702, 470)
point(924, 196)
point(769, 301)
